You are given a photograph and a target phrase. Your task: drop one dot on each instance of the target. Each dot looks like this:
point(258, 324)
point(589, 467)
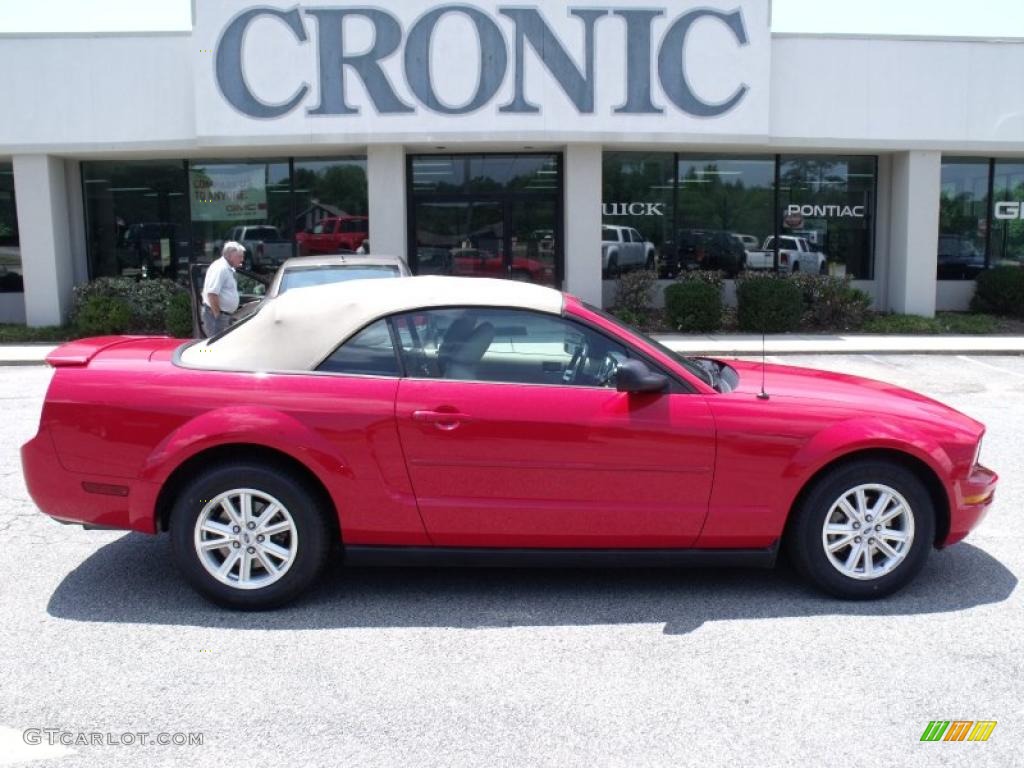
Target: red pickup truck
point(333, 234)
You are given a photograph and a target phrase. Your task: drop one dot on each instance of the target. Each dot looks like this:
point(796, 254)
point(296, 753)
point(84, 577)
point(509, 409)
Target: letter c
point(231, 78)
point(673, 74)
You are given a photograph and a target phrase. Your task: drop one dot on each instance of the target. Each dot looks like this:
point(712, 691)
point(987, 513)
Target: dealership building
point(484, 138)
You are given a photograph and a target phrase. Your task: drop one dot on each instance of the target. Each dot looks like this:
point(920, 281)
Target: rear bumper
point(95, 501)
point(974, 496)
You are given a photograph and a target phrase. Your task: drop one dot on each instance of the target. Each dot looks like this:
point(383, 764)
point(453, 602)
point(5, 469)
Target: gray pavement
point(513, 668)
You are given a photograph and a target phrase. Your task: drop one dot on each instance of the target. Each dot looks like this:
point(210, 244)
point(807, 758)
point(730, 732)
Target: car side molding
point(499, 557)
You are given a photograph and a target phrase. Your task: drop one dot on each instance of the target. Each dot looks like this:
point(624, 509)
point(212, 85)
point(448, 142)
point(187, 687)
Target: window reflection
point(963, 203)
point(10, 250)
point(829, 201)
point(1008, 223)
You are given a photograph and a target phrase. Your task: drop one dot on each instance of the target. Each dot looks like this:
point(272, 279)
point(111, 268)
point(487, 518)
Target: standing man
point(220, 290)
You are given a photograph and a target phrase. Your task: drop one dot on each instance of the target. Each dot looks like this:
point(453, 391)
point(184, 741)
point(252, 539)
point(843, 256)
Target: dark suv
point(703, 249)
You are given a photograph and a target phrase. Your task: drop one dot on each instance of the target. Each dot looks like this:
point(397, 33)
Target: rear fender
point(251, 425)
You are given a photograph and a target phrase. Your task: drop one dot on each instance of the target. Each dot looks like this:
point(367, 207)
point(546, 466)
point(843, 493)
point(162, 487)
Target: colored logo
point(958, 730)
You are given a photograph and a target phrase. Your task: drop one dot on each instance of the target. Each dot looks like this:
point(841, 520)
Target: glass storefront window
point(721, 212)
point(136, 218)
point(829, 201)
point(248, 202)
point(963, 206)
point(331, 204)
point(723, 209)
point(1007, 240)
point(10, 251)
point(638, 195)
point(486, 216)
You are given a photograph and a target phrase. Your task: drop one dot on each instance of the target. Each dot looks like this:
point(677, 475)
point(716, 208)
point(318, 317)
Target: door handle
point(444, 420)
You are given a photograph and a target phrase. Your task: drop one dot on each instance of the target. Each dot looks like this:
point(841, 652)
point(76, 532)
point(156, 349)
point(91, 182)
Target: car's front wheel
point(863, 530)
point(249, 536)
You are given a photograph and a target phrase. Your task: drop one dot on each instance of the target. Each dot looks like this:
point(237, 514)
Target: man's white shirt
point(220, 279)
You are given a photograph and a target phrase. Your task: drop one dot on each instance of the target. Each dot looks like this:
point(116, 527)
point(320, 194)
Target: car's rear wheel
point(863, 530)
point(249, 536)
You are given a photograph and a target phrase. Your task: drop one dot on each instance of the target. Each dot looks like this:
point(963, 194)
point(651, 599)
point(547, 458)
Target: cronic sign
point(404, 49)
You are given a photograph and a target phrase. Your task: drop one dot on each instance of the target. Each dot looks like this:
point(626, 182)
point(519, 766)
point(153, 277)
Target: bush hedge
point(1000, 291)
point(768, 304)
point(831, 303)
point(104, 316)
point(149, 303)
point(635, 292)
point(179, 316)
point(694, 305)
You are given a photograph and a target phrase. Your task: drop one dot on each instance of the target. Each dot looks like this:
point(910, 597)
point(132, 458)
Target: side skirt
point(494, 557)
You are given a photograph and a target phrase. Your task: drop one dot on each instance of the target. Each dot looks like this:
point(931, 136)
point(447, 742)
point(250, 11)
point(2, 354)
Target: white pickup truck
point(796, 254)
point(264, 246)
point(624, 248)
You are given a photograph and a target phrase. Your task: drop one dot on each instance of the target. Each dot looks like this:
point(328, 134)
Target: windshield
point(304, 277)
point(688, 363)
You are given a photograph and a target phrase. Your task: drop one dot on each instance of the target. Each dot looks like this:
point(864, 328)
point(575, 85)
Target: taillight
point(784, 258)
point(154, 250)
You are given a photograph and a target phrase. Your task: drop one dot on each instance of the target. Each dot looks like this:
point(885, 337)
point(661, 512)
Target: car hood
point(853, 394)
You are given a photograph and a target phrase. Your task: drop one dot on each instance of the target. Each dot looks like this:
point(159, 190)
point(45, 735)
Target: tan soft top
point(297, 330)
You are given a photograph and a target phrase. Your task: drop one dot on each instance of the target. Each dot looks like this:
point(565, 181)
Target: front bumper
point(973, 497)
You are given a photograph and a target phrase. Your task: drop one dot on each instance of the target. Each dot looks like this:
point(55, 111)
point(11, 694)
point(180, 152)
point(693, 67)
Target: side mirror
point(634, 376)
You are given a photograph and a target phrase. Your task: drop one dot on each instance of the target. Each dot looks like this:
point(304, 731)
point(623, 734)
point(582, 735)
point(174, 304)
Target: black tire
point(613, 265)
point(795, 268)
point(805, 534)
point(823, 269)
point(312, 543)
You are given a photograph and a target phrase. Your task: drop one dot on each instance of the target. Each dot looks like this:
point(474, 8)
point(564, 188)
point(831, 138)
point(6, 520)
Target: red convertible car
point(479, 421)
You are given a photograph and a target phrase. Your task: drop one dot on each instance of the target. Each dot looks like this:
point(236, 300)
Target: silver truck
point(264, 246)
point(624, 248)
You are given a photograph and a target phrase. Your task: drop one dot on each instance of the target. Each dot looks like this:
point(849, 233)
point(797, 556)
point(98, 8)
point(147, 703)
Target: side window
point(368, 353)
point(636, 237)
point(609, 234)
point(506, 345)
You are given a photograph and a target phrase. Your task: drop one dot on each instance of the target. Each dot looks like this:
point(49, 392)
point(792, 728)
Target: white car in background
point(624, 248)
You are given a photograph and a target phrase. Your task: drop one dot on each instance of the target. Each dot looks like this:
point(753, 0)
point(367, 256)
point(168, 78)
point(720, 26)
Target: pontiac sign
point(484, 66)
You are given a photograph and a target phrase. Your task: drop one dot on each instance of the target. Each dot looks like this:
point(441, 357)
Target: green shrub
point(148, 300)
point(1000, 291)
point(636, 291)
point(963, 322)
point(103, 316)
point(178, 320)
point(768, 304)
point(694, 305)
point(831, 303)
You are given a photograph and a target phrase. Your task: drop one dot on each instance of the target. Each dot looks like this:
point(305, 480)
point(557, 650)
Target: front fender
point(864, 434)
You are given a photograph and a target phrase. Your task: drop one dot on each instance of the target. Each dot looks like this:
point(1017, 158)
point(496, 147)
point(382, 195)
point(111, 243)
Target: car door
point(514, 436)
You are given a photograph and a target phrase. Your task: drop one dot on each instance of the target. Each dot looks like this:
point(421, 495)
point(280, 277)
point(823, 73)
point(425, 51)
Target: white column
point(582, 246)
point(385, 170)
point(914, 232)
point(41, 191)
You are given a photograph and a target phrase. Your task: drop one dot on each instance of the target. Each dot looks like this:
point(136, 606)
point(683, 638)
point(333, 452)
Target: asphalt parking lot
point(502, 667)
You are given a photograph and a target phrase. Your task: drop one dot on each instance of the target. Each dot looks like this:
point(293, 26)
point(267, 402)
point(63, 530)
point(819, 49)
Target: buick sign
point(348, 76)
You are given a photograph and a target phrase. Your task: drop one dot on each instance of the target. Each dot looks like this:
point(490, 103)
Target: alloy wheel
point(868, 531)
point(245, 538)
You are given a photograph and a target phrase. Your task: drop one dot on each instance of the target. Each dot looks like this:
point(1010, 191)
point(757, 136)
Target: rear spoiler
point(79, 353)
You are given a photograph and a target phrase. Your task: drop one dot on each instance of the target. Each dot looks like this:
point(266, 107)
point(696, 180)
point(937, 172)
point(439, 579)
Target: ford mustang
point(478, 421)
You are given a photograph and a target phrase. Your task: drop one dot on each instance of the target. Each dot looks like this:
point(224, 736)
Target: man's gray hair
point(231, 246)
